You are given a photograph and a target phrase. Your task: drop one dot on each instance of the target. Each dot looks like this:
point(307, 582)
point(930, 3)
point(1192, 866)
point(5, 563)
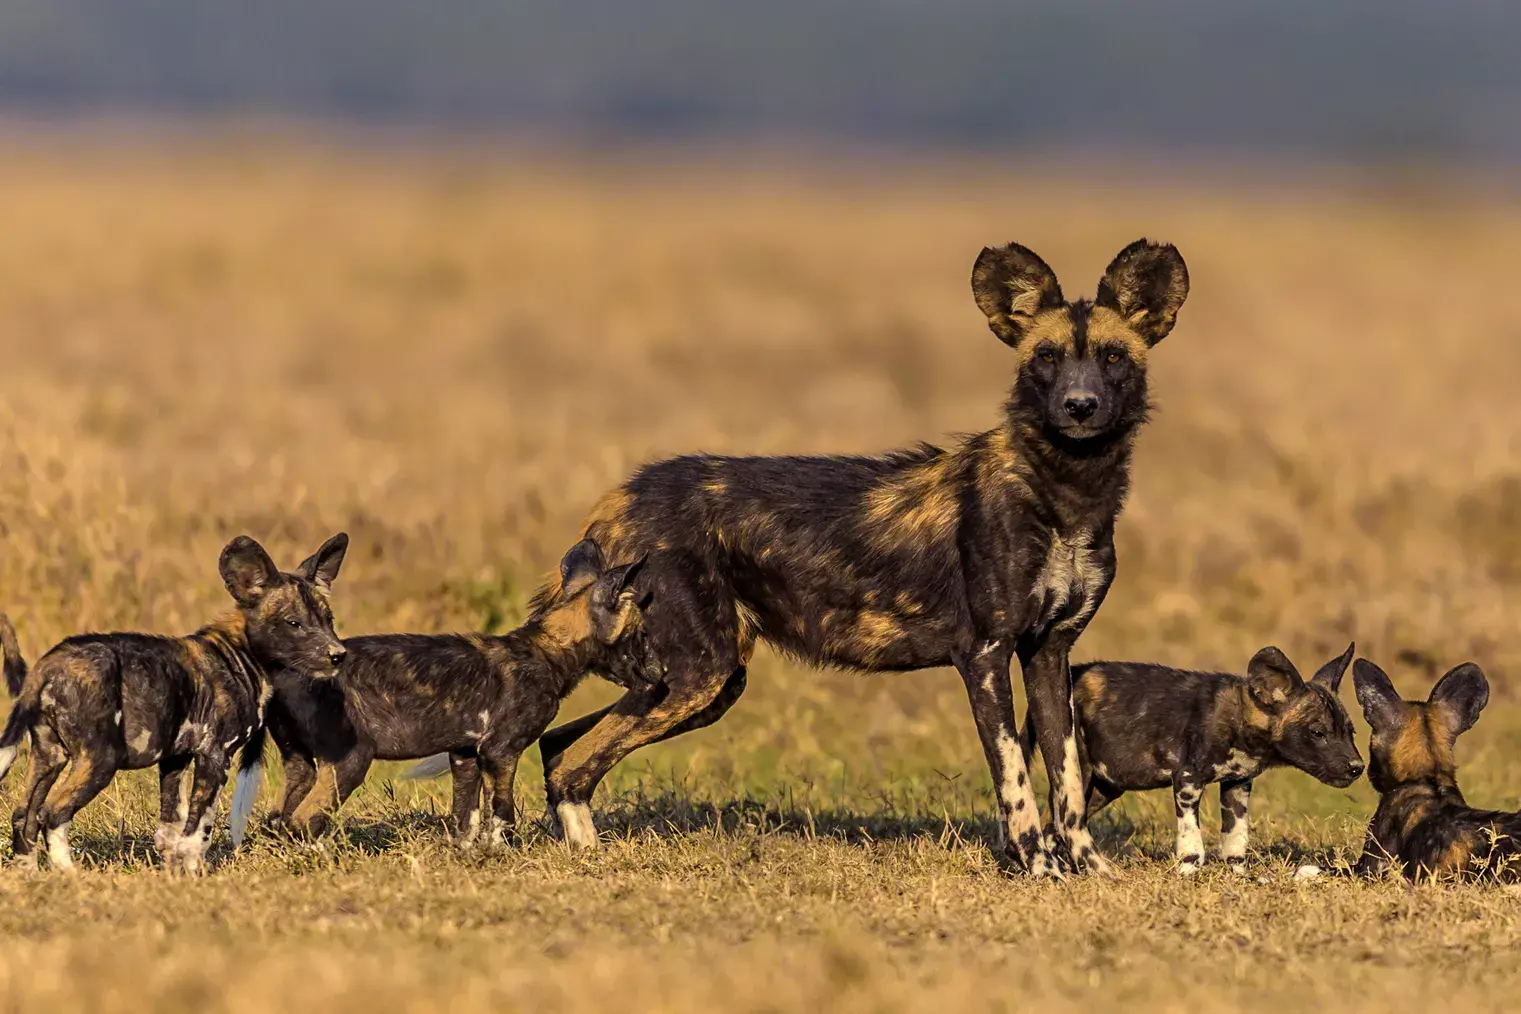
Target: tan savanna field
point(452, 354)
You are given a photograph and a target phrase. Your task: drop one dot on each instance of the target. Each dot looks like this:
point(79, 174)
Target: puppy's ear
point(1146, 283)
point(1463, 692)
point(321, 568)
point(1272, 678)
point(581, 565)
point(614, 599)
point(247, 571)
point(1011, 285)
point(1330, 674)
point(1381, 703)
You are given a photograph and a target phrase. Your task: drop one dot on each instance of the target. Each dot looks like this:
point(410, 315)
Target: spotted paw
point(1091, 862)
point(1236, 866)
point(1189, 865)
point(1043, 865)
point(1309, 871)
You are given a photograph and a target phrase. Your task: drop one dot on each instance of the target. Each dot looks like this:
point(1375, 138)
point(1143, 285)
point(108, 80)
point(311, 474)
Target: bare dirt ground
point(450, 356)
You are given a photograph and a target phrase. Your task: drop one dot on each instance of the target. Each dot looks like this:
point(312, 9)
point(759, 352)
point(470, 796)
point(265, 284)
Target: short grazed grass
point(450, 355)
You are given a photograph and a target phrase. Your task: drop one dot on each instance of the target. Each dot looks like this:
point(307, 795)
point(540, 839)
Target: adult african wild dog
point(482, 699)
point(96, 704)
point(1145, 726)
point(1423, 826)
point(998, 548)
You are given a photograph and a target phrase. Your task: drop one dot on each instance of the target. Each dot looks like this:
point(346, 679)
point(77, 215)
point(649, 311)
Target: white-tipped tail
point(243, 796)
point(429, 767)
point(7, 758)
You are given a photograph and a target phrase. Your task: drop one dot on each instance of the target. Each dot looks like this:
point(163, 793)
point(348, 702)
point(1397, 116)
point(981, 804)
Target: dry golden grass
point(452, 355)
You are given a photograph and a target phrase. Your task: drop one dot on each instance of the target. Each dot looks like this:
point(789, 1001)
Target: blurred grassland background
point(440, 275)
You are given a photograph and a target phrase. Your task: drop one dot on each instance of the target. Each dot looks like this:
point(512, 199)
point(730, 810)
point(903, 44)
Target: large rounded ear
point(1381, 703)
point(1272, 678)
point(581, 565)
point(1464, 691)
point(1146, 283)
point(1012, 285)
point(321, 568)
point(247, 571)
point(1330, 674)
point(613, 598)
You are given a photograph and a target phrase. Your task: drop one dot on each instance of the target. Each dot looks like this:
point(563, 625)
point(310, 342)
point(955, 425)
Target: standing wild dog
point(998, 548)
point(480, 699)
point(1147, 726)
point(97, 704)
point(1423, 825)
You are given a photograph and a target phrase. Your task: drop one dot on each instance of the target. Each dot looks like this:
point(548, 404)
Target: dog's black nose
point(1357, 769)
point(336, 655)
point(1081, 406)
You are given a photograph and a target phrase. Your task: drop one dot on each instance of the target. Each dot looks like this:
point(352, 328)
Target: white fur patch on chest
point(1069, 580)
point(1238, 765)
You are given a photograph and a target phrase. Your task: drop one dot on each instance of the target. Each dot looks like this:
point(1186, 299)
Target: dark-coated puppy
point(1423, 827)
point(97, 704)
point(480, 699)
point(996, 549)
point(1146, 726)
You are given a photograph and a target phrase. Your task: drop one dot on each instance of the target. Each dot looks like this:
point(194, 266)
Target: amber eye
point(1113, 358)
point(1046, 356)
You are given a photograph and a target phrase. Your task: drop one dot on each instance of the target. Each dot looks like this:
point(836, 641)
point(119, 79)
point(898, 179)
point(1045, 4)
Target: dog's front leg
point(1235, 809)
point(210, 775)
point(985, 670)
point(1048, 684)
point(1187, 790)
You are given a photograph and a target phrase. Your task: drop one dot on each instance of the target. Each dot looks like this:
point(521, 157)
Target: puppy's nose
point(336, 654)
point(1357, 769)
point(1080, 405)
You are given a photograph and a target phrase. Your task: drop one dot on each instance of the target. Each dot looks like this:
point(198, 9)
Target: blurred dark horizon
point(1356, 80)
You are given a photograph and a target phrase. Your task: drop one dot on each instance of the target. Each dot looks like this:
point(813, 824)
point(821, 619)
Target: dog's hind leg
point(86, 776)
point(554, 742)
point(48, 760)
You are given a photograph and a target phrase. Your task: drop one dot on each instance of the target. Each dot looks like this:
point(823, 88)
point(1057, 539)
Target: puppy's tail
point(15, 665)
point(1027, 739)
point(250, 775)
point(428, 767)
point(28, 695)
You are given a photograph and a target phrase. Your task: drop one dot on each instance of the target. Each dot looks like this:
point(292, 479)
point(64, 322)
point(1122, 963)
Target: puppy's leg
point(1235, 803)
point(335, 783)
point(1187, 791)
point(87, 774)
point(173, 802)
point(47, 762)
point(465, 772)
point(300, 776)
point(195, 831)
point(499, 766)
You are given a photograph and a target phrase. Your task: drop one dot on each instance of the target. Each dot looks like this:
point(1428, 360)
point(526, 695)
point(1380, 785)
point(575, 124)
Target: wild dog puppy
point(999, 548)
point(97, 704)
point(1148, 726)
point(1423, 827)
point(481, 699)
